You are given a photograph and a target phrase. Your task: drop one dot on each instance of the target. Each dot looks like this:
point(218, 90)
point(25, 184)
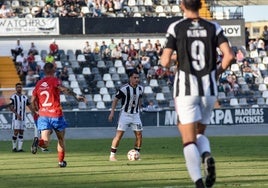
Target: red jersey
point(48, 96)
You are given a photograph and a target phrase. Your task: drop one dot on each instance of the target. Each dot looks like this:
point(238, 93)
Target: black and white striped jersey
point(130, 98)
point(195, 42)
point(19, 102)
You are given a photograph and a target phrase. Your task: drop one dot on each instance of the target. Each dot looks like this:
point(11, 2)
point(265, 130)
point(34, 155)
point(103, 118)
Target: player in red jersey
point(46, 102)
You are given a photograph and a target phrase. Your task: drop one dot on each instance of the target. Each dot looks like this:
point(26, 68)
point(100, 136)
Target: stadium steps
point(204, 12)
point(8, 76)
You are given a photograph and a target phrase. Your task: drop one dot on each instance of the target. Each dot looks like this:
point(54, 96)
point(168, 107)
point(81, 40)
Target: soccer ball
point(133, 155)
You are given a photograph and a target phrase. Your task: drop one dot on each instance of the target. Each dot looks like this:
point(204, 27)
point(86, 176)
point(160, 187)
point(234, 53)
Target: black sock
point(199, 183)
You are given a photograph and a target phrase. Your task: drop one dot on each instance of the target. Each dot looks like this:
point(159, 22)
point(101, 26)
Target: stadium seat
point(115, 77)
point(153, 83)
point(261, 101)
point(121, 70)
point(109, 84)
point(160, 97)
point(100, 84)
point(103, 91)
point(147, 90)
point(118, 63)
point(131, 3)
point(97, 97)
point(107, 77)
point(58, 64)
point(262, 87)
point(86, 71)
point(81, 58)
point(100, 105)
point(77, 90)
point(106, 98)
point(234, 102)
point(74, 84)
point(63, 98)
point(242, 102)
point(82, 106)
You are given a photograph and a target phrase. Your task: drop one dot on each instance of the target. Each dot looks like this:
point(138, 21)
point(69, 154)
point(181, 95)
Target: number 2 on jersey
point(46, 103)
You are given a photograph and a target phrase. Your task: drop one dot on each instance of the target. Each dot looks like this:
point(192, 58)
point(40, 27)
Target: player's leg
point(61, 147)
point(15, 127)
point(14, 140)
point(203, 144)
point(189, 114)
point(138, 140)
point(191, 153)
point(115, 143)
point(20, 140)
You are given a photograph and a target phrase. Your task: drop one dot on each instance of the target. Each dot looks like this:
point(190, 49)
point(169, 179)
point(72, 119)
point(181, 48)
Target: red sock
point(61, 155)
point(41, 142)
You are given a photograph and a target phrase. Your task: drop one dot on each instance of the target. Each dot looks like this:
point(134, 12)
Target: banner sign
point(232, 30)
point(231, 116)
point(24, 26)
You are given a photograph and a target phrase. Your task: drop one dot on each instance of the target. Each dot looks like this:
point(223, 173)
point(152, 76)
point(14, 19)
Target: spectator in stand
point(116, 53)
point(139, 68)
point(145, 61)
point(54, 48)
point(151, 107)
point(239, 56)
point(73, 12)
point(112, 45)
point(132, 52)
point(160, 73)
point(58, 3)
point(17, 50)
point(64, 75)
point(23, 70)
point(47, 11)
point(107, 54)
point(96, 48)
point(138, 44)
point(122, 44)
point(50, 58)
point(32, 62)
point(109, 5)
point(260, 44)
point(125, 53)
point(87, 51)
point(151, 52)
point(6, 12)
point(265, 37)
point(102, 48)
point(118, 5)
point(142, 52)
point(31, 79)
point(247, 71)
point(252, 45)
point(20, 59)
point(49, 2)
point(150, 74)
point(96, 11)
point(33, 49)
point(170, 77)
point(130, 65)
point(40, 67)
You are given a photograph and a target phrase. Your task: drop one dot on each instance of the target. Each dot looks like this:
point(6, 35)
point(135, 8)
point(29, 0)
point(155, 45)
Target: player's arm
point(68, 91)
point(166, 57)
point(228, 57)
point(114, 104)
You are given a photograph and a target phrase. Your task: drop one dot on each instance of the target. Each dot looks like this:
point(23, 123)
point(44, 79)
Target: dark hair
point(193, 5)
point(18, 84)
point(48, 68)
point(132, 72)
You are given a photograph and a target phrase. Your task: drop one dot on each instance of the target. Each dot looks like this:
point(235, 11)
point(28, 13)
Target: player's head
point(18, 87)
point(134, 78)
point(49, 69)
point(191, 5)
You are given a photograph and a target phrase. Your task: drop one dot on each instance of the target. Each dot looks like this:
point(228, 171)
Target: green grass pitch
point(241, 162)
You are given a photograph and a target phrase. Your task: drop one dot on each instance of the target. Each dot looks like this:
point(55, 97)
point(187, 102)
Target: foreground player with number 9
point(46, 103)
point(195, 41)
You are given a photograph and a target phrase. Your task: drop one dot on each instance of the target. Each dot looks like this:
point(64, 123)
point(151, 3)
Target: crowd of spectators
point(80, 8)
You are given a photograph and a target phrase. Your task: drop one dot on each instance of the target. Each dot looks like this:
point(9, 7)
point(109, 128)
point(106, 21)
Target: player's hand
point(111, 116)
point(81, 98)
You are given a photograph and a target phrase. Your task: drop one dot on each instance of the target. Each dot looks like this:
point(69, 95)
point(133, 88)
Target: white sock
point(202, 143)
point(193, 162)
point(20, 143)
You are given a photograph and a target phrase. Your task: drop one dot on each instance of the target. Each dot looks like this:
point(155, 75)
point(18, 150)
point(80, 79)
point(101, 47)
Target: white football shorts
point(194, 108)
point(18, 124)
point(129, 120)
